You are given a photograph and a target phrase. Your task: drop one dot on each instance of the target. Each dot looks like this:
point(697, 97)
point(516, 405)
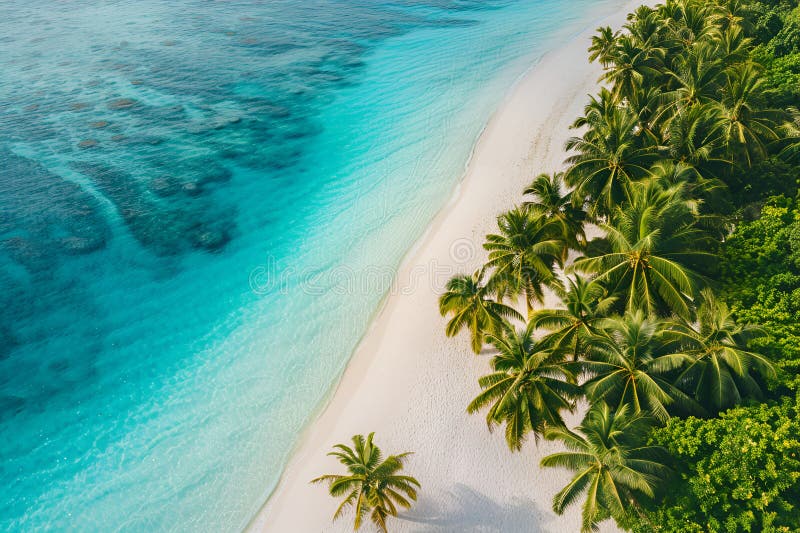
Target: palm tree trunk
point(575, 348)
point(642, 514)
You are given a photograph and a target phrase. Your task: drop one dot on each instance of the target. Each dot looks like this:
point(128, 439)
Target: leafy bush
point(768, 19)
point(787, 40)
point(771, 177)
point(782, 79)
point(736, 473)
point(760, 276)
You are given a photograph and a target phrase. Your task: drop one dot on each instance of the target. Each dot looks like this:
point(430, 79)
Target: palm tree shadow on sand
point(467, 510)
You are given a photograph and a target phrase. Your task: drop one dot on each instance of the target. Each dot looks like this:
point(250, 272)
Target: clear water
point(202, 205)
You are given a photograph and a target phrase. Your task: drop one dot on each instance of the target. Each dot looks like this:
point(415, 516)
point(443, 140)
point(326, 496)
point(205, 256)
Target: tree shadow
point(464, 509)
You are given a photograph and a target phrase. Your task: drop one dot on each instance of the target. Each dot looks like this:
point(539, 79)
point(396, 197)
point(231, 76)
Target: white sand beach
point(410, 384)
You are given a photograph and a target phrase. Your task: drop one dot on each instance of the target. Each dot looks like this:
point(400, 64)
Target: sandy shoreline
point(410, 384)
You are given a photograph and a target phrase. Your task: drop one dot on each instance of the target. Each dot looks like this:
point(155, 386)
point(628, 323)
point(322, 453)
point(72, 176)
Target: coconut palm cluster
point(640, 334)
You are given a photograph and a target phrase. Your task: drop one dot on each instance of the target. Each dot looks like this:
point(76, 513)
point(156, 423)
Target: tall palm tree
point(549, 200)
point(652, 242)
point(721, 369)
point(612, 468)
point(604, 46)
point(645, 26)
point(467, 300)
point(632, 67)
point(524, 254)
point(746, 127)
point(630, 363)
point(528, 388)
point(598, 110)
point(694, 136)
point(697, 77)
point(585, 304)
point(690, 22)
point(647, 104)
point(671, 173)
point(735, 14)
point(609, 156)
point(790, 147)
point(733, 45)
point(372, 484)
point(668, 11)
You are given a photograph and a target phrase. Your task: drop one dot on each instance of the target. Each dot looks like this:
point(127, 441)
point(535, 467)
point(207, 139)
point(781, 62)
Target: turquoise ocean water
point(202, 206)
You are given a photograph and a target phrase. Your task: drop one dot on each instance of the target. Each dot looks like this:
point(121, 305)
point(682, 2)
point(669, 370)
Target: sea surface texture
point(202, 205)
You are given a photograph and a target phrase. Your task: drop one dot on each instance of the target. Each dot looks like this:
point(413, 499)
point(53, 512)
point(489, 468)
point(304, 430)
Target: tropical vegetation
point(612, 467)
point(679, 319)
point(373, 485)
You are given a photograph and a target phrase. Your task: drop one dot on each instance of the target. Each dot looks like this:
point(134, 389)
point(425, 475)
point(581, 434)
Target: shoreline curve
point(409, 383)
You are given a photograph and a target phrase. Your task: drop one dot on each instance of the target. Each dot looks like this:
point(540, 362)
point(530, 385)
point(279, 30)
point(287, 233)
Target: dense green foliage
point(761, 279)
point(738, 472)
point(776, 30)
point(681, 324)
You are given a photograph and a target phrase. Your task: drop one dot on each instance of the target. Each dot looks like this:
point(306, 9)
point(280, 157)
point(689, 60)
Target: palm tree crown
point(549, 201)
point(611, 468)
point(585, 303)
point(651, 243)
point(720, 370)
point(524, 254)
point(630, 362)
point(468, 301)
point(609, 157)
point(372, 484)
point(527, 390)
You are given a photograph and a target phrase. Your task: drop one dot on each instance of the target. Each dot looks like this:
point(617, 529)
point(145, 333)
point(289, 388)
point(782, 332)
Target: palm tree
point(721, 368)
point(734, 46)
point(527, 390)
point(609, 157)
point(790, 147)
point(524, 254)
point(632, 67)
point(598, 110)
point(630, 363)
point(690, 22)
point(645, 26)
point(647, 104)
point(372, 483)
point(746, 128)
point(612, 469)
point(710, 192)
point(652, 242)
point(604, 46)
point(694, 136)
point(697, 77)
point(585, 304)
point(467, 300)
point(735, 14)
point(549, 201)
point(671, 173)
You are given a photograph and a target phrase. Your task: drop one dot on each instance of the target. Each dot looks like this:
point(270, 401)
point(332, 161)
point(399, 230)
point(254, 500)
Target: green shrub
point(736, 473)
point(787, 40)
point(760, 278)
point(782, 79)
